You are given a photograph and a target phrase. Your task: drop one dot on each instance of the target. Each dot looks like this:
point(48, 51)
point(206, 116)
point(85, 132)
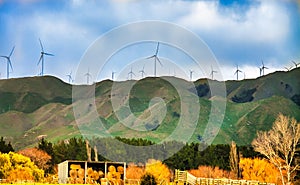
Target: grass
point(42, 107)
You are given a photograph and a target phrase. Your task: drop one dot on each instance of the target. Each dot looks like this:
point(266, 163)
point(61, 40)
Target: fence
point(187, 178)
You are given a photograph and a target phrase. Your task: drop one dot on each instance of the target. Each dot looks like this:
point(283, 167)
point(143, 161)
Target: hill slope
point(42, 106)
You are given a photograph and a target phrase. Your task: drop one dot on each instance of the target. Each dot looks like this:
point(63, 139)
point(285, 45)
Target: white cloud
point(265, 22)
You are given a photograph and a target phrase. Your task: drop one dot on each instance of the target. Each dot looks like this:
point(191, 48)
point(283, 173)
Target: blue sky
point(237, 32)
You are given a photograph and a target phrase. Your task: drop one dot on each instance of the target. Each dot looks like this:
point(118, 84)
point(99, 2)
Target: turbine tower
point(155, 58)
point(8, 62)
point(296, 64)
point(191, 75)
point(70, 77)
point(88, 75)
point(113, 75)
point(143, 71)
point(263, 67)
point(260, 71)
point(212, 73)
point(42, 57)
point(131, 73)
point(237, 72)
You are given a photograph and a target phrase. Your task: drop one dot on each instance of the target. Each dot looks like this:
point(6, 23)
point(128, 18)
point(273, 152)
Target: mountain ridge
point(42, 106)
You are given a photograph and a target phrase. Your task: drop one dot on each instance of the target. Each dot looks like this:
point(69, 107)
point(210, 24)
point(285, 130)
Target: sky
point(242, 33)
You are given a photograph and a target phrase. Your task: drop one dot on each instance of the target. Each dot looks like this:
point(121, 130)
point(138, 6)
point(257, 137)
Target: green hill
point(36, 107)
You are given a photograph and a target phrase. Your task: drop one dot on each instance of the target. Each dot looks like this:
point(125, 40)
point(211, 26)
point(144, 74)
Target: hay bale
point(90, 172)
point(73, 173)
point(111, 168)
point(89, 180)
point(80, 173)
point(71, 180)
point(96, 175)
point(79, 181)
point(117, 175)
point(101, 174)
point(120, 169)
point(75, 166)
point(110, 175)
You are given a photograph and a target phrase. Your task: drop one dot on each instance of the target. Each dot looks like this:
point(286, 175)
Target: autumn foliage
point(154, 167)
point(135, 172)
point(159, 170)
point(259, 169)
point(39, 157)
point(211, 172)
point(16, 167)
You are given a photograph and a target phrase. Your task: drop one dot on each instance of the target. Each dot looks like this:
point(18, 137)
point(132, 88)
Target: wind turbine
point(143, 71)
point(260, 71)
point(296, 64)
point(288, 68)
point(191, 75)
point(212, 73)
point(263, 68)
point(88, 75)
point(42, 57)
point(113, 75)
point(237, 72)
point(70, 77)
point(8, 62)
point(131, 73)
point(155, 58)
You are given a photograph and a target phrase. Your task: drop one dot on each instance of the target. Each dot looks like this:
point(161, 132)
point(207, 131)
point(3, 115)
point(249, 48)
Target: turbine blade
point(157, 48)
point(12, 51)
point(41, 45)
point(49, 54)
point(159, 61)
point(40, 59)
point(150, 57)
point(9, 62)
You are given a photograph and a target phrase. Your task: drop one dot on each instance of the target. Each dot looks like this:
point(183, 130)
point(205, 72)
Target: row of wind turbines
point(155, 56)
point(130, 73)
point(41, 60)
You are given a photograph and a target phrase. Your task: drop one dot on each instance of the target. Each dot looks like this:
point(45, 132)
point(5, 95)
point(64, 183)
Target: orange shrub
point(211, 172)
point(134, 172)
point(259, 169)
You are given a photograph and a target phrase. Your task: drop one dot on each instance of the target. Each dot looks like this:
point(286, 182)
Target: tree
point(134, 172)
point(159, 170)
point(48, 148)
point(211, 172)
point(148, 179)
point(279, 145)
point(259, 169)
point(16, 167)
point(234, 159)
point(5, 148)
point(39, 157)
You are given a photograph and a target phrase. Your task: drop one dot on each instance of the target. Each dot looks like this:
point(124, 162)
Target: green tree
point(5, 148)
point(47, 147)
point(148, 179)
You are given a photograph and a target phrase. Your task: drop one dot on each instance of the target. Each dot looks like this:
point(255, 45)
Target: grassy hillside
point(42, 106)
point(28, 94)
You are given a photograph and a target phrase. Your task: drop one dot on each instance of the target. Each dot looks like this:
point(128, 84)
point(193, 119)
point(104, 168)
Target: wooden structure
point(91, 172)
point(184, 177)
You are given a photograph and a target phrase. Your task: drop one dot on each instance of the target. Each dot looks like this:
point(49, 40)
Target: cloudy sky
point(239, 33)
